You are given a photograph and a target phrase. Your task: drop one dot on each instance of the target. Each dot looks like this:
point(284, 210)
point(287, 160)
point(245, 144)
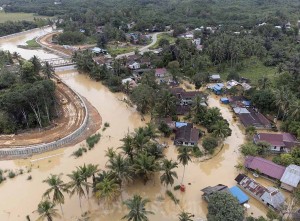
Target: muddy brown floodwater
point(20, 197)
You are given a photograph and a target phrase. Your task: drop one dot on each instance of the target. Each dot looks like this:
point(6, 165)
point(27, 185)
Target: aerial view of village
point(149, 110)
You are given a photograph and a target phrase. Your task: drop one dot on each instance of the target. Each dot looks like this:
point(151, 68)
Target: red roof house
point(281, 142)
point(160, 72)
point(265, 167)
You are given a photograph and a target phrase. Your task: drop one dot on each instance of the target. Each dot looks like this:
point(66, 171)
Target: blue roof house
point(217, 88)
point(239, 194)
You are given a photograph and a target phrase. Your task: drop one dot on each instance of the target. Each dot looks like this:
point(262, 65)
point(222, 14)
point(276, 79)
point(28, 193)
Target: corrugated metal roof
point(291, 175)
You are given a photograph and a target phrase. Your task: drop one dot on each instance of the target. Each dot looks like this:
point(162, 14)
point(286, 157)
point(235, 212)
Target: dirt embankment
point(46, 40)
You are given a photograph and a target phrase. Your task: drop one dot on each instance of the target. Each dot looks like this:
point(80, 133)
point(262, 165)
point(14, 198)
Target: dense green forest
point(193, 13)
point(27, 95)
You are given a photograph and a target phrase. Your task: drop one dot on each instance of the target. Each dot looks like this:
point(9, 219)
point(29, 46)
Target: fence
point(26, 151)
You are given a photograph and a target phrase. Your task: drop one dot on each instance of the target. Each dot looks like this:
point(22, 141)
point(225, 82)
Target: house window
point(186, 143)
point(275, 148)
point(192, 144)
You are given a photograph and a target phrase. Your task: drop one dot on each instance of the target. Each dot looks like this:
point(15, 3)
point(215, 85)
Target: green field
point(163, 36)
point(32, 43)
point(114, 51)
point(253, 69)
point(18, 16)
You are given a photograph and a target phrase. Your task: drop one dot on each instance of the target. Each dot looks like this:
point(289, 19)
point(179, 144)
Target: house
point(208, 191)
point(182, 109)
point(246, 86)
point(187, 97)
point(197, 41)
point(99, 29)
point(134, 65)
point(97, 50)
point(218, 88)
point(290, 178)
point(102, 60)
point(239, 194)
point(239, 101)
point(129, 81)
point(232, 83)
point(265, 167)
point(215, 78)
point(288, 25)
point(186, 135)
point(269, 196)
point(160, 72)
point(145, 62)
point(251, 117)
point(280, 142)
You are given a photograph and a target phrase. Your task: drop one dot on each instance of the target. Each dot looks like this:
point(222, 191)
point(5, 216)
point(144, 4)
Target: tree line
point(27, 95)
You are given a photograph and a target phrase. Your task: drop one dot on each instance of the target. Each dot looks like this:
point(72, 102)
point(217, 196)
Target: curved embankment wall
point(54, 51)
point(26, 151)
point(22, 32)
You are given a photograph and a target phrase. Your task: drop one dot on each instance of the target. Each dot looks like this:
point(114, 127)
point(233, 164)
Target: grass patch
point(163, 36)
point(19, 16)
point(32, 43)
point(79, 152)
point(253, 69)
point(114, 50)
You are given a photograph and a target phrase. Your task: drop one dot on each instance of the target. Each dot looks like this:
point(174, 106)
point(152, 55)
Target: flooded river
point(20, 197)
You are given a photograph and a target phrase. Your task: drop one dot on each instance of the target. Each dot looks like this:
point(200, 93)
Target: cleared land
point(18, 16)
point(163, 36)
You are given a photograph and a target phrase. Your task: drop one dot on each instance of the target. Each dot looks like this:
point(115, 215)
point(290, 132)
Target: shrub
point(210, 144)
point(165, 129)
point(92, 140)
point(29, 177)
point(197, 152)
point(177, 187)
point(11, 174)
point(78, 153)
point(106, 124)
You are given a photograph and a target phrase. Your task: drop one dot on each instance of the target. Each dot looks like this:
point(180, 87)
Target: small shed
point(239, 194)
point(215, 78)
point(224, 100)
point(291, 177)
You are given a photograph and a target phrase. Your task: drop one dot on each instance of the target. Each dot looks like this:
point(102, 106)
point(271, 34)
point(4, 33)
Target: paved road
point(145, 48)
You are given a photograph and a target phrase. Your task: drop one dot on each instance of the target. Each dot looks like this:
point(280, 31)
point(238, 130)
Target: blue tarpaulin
point(239, 194)
point(180, 124)
point(224, 100)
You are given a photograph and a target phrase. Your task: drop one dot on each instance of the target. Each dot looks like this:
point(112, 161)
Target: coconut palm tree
point(77, 184)
point(127, 147)
point(185, 216)
point(110, 153)
point(263, 83)
point(184, 157)
point(168, 175)
point(48, 70)
point(150, 131)
point(121, 168)
point(88, 172)
point(140, 140)
point(166, 105)
point(137, 210)
point(108, 189)
point(145, 166)
point(221, 129)
point(47, 211)
point(57, 187)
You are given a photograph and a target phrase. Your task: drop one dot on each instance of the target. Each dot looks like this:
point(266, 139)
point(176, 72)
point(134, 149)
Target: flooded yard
point(20, 196)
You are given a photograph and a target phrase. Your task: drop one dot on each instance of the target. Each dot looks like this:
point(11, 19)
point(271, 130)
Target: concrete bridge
point(59, 62)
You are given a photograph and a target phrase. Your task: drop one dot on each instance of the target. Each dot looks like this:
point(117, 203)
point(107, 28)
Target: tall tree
point(168, 175)
point(145, 166)
point(221, 129)
point(77, 184)
point(137, 210)
point(57, 187)
point(184, 157)
point(47, 211)
point(107, 189)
